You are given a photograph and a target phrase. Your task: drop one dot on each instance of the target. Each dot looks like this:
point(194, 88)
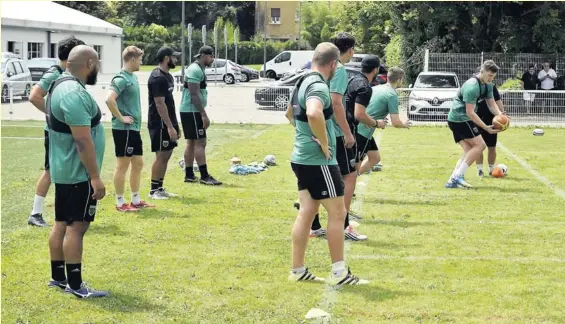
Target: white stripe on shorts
point(329, 181)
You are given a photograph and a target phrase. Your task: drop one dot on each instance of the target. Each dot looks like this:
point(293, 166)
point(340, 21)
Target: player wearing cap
point(162, 120)
point(193, 116)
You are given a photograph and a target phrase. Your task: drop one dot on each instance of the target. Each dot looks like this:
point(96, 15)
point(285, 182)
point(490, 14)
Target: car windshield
point(41, 63)
point(3, 66)
point(356, 59)
point(436, 81)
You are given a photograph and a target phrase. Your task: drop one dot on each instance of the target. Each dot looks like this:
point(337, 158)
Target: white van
point(284, 62)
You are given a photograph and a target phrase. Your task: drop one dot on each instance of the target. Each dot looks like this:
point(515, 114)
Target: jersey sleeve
point(75, 106)
point(319, 91)
point(119, 84)
point(364, 94)
point(160, 87)
point(490, 91)
point(392, 104)
point(49, 77)
point(470, 93)
point(338, 84)
point(194, 74)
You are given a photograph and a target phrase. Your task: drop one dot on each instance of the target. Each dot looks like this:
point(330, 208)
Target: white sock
point(338, 268)
point(38, 205)
point(480, 167)
point(135, 198)
point(298, 270)
point(120, 200)
point(490, 168)
point(462, 169)
point(454, 173)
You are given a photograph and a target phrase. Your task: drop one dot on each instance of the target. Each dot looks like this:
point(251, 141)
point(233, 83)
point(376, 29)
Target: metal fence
point(512, 65)
point(263, 103)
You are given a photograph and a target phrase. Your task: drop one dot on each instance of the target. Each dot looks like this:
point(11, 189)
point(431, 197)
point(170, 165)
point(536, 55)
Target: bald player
point(76, 139)
point(316, 168)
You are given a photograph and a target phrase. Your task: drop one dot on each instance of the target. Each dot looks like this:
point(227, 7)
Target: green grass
point(222, 255)
point(255, 66)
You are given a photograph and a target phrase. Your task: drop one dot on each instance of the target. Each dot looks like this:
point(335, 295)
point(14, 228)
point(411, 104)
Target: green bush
point(510, 84)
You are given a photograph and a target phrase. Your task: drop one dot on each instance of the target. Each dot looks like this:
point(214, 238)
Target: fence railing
point(419, 105)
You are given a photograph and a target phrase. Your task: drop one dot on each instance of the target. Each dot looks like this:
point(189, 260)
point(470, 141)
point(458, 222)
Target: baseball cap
point(371, 62)
point(166, 51)
point(205, 50)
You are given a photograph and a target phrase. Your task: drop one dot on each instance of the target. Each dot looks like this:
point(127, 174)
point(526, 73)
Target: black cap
point(166, 51)
point(205, 50)
point(371, 62)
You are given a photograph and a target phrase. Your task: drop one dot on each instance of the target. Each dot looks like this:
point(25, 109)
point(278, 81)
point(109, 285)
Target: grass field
point(221, 255)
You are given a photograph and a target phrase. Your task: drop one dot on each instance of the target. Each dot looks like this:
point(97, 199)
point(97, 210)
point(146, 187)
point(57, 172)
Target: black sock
point(161, 183)
point(203, 171)
point(346, 220)
point(316, 223)
point(58, 270)
point(189, 172)
point(74, 274)
point(154, 185)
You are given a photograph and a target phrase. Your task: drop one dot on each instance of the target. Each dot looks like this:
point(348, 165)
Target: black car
point(248, 74)
point(38, 66)
point(277, 95)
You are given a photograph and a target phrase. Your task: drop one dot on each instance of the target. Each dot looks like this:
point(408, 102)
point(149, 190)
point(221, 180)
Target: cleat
point(57, 284)
point(347, 280)
point(317, 233)
point(142, 204)
point(158, 195)
point(167, 194)
point(305, 276)
point(354, 216)
point(460, 181)
point(352, 235)
point(126, 208)
point(481, 173)
point(210, 181)
point(37, 220)
point(86, 292)
point(194, 179)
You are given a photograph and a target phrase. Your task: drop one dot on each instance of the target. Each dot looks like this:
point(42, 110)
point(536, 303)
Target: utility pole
point(182, 42)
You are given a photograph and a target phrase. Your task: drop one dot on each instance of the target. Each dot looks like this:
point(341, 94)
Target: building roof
point(53, 16)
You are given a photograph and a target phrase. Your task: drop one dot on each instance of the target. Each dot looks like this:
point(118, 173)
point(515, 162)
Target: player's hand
point(127, 120)
point(349, 140)
point(325, 148)
point(173, 135)
point(206, 121)
point(381, 123)
point(99, 188)
point(492, 130)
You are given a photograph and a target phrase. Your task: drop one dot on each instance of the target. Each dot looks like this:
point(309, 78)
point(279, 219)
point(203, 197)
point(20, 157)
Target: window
point(19, 69)
point(219, 63)
point(275, 16)
point(11, 68)
point(54, 53)
point(98, 49)
point(11, 46)
point(436, 81)
point(285, 56)
point(34, 50)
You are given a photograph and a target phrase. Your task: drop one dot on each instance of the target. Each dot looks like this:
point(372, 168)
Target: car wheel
point(229, 79)
point(281, 101)
point(244, 77)
point(5, 94)
point(27, 92)
point(271, 75)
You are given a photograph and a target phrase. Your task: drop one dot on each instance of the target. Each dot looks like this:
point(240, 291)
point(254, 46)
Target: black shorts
point(73, 202)
point(364, 145)
point(464, 130)
point(161, 141)
point(321, 181)
point(46, 144)
point(345, 157)
point(127, 143)
point(192, 125)
point(490, 139)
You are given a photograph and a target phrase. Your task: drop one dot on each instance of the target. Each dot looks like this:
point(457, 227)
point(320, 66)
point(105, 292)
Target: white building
point(33, 28)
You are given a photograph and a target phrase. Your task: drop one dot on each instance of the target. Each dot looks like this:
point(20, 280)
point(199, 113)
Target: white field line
point(535, 173)
point(22, 138)
point(330, 295)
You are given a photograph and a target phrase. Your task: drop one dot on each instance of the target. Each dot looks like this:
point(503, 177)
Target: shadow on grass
point(372, 292)
point(397, 223)
point(383, 245)
point(122, 303)
point(406, 202)
point(507, 190)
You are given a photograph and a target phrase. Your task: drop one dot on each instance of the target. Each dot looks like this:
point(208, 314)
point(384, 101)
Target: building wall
point(110, 47)
point(289, 24)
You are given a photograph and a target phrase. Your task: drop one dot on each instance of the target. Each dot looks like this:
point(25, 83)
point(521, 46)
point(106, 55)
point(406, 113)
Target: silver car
point(14, 69)
point(432, 96)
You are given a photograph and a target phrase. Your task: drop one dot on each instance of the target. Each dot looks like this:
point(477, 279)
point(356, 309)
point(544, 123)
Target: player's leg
point(135, 173)
point(190, 134)
point(163, 148)
point(41, 189)
point(56, 238)
point(200, 152)
point(80, 210)
point(491, 145)
point(123, 140)
point(373, 156)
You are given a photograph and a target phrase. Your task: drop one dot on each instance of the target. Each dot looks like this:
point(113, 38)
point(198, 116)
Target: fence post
point(426, 59)
point(482, 58)
point(11, 90)
point(235, 35)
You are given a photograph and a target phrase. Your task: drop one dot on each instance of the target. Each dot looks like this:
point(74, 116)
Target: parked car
point(38, 66)
point(277, 94)
point(217, 72)
point(14, 69)
point(248, 74)
point(435, 104)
